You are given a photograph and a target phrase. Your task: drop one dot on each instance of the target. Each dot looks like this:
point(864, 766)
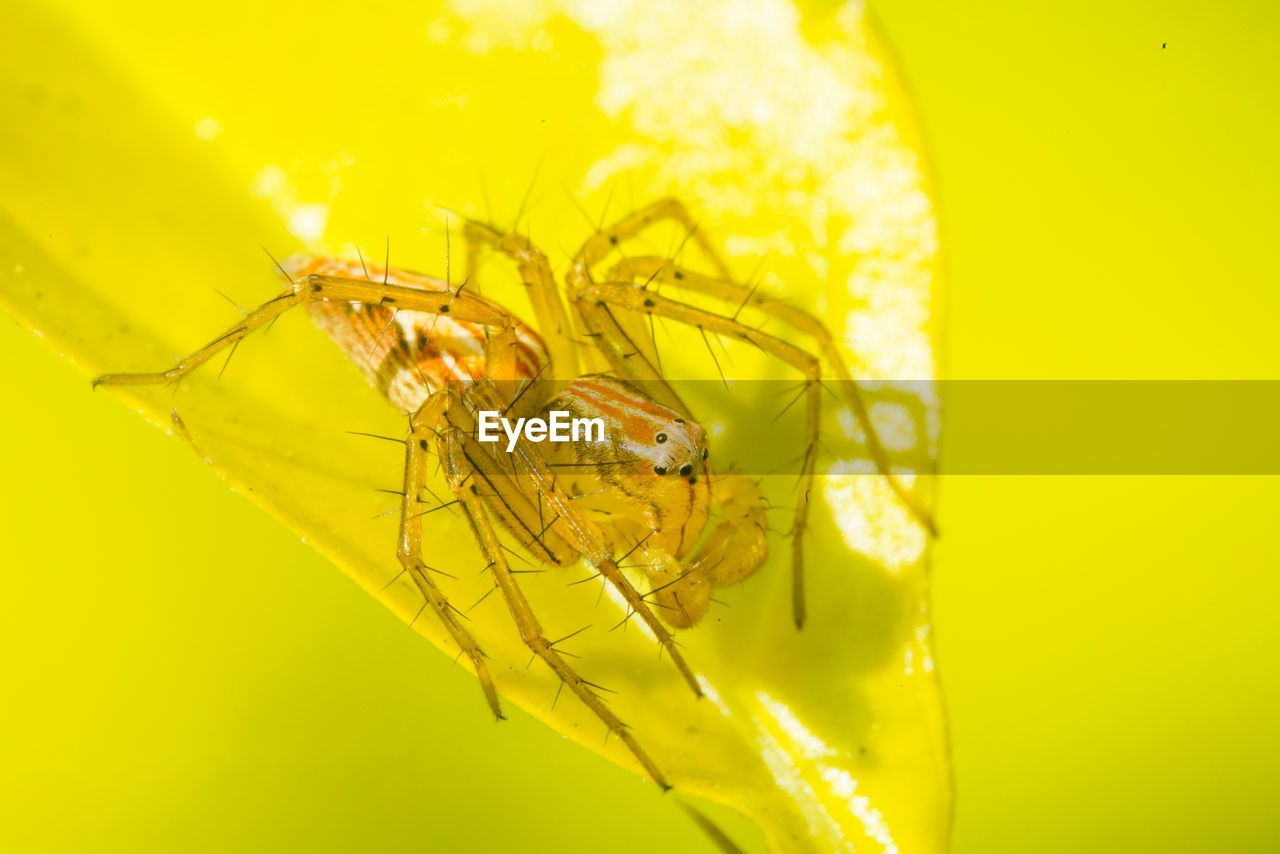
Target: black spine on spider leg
point(279, 266)
point(487, 594)
point(719, 369)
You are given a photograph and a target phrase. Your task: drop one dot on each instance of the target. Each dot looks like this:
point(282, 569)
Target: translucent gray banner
point(966, 427)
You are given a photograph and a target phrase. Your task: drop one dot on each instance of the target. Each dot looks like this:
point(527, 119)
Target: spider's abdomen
point(407, 355)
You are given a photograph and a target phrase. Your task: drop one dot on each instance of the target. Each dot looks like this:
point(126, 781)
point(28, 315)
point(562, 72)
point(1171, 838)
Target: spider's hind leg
point(466, 307)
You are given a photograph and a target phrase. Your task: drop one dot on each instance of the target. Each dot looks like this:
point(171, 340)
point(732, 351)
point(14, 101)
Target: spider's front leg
point(721, 286)
point(644, 481)
point(544, 293)
point(409, 543)
point(529, 497)
point(596, 304)
point(646, 269)
point(480, 484)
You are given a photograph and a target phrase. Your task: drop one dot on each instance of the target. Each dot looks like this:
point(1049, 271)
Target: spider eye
point(660, 438)
point(659, 469)
point(686, 469)
point(705, 453)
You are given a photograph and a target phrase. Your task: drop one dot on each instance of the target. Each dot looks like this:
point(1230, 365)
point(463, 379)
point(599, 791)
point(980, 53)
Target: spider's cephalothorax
point(644, 489)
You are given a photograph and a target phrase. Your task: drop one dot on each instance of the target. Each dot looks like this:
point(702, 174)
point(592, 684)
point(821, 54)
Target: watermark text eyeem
point(558, 428)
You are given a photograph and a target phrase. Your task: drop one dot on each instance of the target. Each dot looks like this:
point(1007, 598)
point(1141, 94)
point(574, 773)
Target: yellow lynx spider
point(444, 354)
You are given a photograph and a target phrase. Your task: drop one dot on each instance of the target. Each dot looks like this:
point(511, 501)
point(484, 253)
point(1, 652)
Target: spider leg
point(409, 547)
point(459, 471)
point(600, 245)
point(612, 331)
point(461, 306)
point(595, 298)
point(564, 523)
point(649, 268)
point(535, 272)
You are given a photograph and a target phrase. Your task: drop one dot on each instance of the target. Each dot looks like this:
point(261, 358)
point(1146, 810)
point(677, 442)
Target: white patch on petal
point(871, 518)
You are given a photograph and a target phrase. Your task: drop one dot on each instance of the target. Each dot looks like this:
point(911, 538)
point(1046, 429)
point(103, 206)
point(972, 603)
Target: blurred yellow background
point(1106, 183)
